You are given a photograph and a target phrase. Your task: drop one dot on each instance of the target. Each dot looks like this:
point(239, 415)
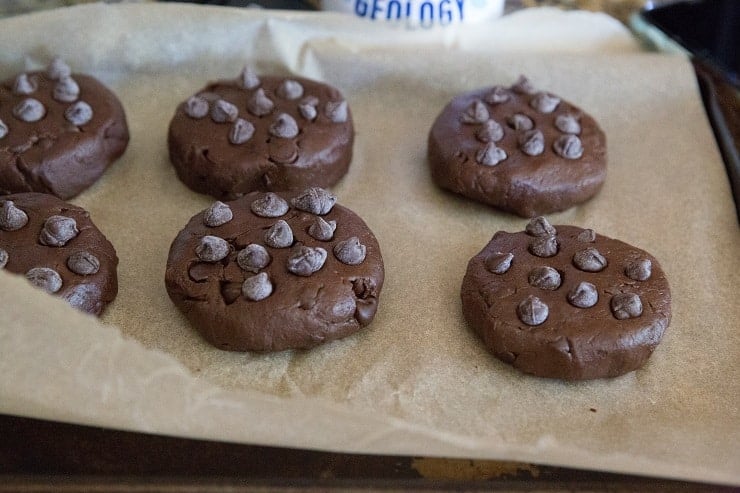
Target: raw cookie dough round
point(269, 272)
point(59, 131)
point(565, 302)
point(263, 133)
point(59, 249)
point(517, 149)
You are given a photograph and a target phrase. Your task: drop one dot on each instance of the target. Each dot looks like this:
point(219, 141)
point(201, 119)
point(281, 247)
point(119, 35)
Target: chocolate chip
point(315, 200)
point(350, 251)
point(212, 249)
point(308, 111)
point(58, 231)
point(230, 291)
point(304, 261)
point(544, 278)
point(253, 257)
point(310, 100)
point(587, 236)
point(257, 288)
point(241, 131)
point(364, 287)
point(196, 107)
point(45, 278)
point(532, 311)
point(283, 151)
point(523, 86)
point(490, 131)
point(3, 129)
point(584, 295)
point(544, 246)
point(499, 263)
point(626, 305)
point(589, 260)
point(497, 95)
point(568, 124)
point(58, 69)
point(490, 155)
point(24, 85)
point(532, 142)
point(290, 89)
point(639, 270)
point(568, 146)
point(284, 126)
point(540, 226)
point(518, 121)
point(544, 102)
point(322, 230)
point(279, 235)
point(83, 263)
point(270, 205)
point(83, 297)
point(259, 104)
point(4, 257)
point(11, 217)
point(29, 110)
point(337, 111)
point(200, 272)
point(248, 78)
point(217, 214)
point(475, 113)
point(222, 111)
point(66, 90)
point(79, 113)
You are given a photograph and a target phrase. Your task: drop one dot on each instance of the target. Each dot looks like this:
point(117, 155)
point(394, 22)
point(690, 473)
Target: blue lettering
point(445, 14)
point(361, 8)
point(393, 5)
point(426, 14)
point(429, 11)
point(377, 8)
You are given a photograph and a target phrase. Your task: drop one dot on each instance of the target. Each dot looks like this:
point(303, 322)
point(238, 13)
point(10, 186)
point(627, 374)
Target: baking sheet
point(416, 381)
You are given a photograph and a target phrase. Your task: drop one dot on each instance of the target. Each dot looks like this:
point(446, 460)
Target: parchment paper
point(417, 381)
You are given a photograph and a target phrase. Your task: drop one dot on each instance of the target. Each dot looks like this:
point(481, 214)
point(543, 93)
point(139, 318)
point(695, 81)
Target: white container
point(418, 14)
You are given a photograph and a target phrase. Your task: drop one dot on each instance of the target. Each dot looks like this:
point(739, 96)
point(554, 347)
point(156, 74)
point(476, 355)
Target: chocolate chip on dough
point(308, 277)
point(555, 153)
point(577, 314)
point(265, 133)
point(59, 249)
point(64, 131)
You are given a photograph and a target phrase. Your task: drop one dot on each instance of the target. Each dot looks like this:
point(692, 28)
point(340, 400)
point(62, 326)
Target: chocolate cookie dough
point(565, 302)
point(263, 133)
point(269, 272)
point(59, 249)
point(59, 131)
point(518, 149)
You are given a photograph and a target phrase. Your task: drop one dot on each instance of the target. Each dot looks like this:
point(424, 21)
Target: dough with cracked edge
point(64, 152)
point(322, 299)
